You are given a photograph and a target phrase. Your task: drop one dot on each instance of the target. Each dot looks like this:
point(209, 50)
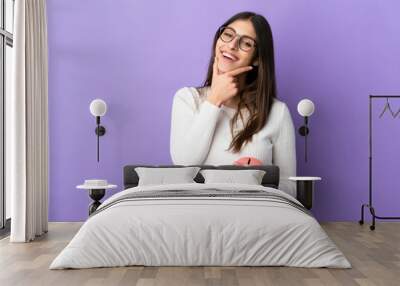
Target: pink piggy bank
point(248, 161)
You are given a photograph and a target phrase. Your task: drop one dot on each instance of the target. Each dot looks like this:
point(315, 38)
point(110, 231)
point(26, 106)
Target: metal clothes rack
point(369, 205)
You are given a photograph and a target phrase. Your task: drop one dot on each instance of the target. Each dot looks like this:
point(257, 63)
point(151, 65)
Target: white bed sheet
point(200, 231)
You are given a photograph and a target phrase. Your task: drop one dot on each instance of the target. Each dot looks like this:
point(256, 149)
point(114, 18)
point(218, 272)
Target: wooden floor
point(375, 257)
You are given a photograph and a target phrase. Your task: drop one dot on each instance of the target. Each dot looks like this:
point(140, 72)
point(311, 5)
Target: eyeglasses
point(227, 34)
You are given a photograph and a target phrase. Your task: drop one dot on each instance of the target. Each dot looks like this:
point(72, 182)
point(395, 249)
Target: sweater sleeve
point(284, 152)
point(192, 128)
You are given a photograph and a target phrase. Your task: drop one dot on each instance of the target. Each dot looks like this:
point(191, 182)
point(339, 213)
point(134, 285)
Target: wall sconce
point(98, 108)
point(305, 108)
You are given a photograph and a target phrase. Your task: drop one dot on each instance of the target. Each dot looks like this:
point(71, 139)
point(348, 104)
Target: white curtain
point(27, 123)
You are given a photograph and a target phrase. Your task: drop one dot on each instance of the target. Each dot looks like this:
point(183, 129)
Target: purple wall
point(136, 54)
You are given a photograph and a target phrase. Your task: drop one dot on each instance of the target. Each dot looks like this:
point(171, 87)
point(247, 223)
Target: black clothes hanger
point(387, 107)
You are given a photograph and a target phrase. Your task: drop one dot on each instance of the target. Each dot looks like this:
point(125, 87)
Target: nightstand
point(97, 190)
point(305, 189)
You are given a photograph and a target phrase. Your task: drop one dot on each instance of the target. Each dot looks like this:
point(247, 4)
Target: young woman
point(235, 118)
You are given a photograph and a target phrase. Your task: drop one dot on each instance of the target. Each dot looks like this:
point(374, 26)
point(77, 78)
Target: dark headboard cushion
point(270, 179)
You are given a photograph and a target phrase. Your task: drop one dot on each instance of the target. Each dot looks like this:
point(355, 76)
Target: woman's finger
point(240, 70)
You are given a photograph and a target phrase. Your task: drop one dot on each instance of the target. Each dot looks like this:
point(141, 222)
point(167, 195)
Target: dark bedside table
point(305, 189)
point(97, 190)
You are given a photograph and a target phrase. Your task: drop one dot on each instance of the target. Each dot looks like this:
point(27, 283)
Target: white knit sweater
point(200, 134)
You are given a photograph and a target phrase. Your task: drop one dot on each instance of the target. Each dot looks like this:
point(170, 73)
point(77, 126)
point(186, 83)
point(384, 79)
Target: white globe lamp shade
point(98, 107)
point(305, 107)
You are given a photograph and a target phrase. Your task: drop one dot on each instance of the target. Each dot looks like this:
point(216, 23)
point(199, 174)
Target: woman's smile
point(229, 56)
point(227, 60)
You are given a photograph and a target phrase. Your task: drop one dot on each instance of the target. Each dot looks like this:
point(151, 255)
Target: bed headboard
point(270, 179)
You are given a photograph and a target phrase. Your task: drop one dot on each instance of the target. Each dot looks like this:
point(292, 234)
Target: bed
point(201, 224)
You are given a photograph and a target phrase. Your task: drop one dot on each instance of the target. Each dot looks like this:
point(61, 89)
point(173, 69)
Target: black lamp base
point(100, 130)
point(303, 130)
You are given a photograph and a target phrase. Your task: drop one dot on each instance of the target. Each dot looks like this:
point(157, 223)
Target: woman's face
point(229, 55)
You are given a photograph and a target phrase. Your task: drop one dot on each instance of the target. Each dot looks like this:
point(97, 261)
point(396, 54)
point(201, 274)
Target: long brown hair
point(260, 84)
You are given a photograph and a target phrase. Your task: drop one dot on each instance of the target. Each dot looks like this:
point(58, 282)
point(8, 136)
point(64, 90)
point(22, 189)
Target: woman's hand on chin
point(224, 85)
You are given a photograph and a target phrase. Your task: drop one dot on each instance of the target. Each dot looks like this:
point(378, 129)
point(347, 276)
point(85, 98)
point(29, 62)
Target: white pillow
point(249, 177)
point(162, 176)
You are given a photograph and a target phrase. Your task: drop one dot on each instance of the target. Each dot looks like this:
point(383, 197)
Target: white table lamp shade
point(98, 107)
point(305, 107)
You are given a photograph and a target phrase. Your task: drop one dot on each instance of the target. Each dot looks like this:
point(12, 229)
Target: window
point(6, 60)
